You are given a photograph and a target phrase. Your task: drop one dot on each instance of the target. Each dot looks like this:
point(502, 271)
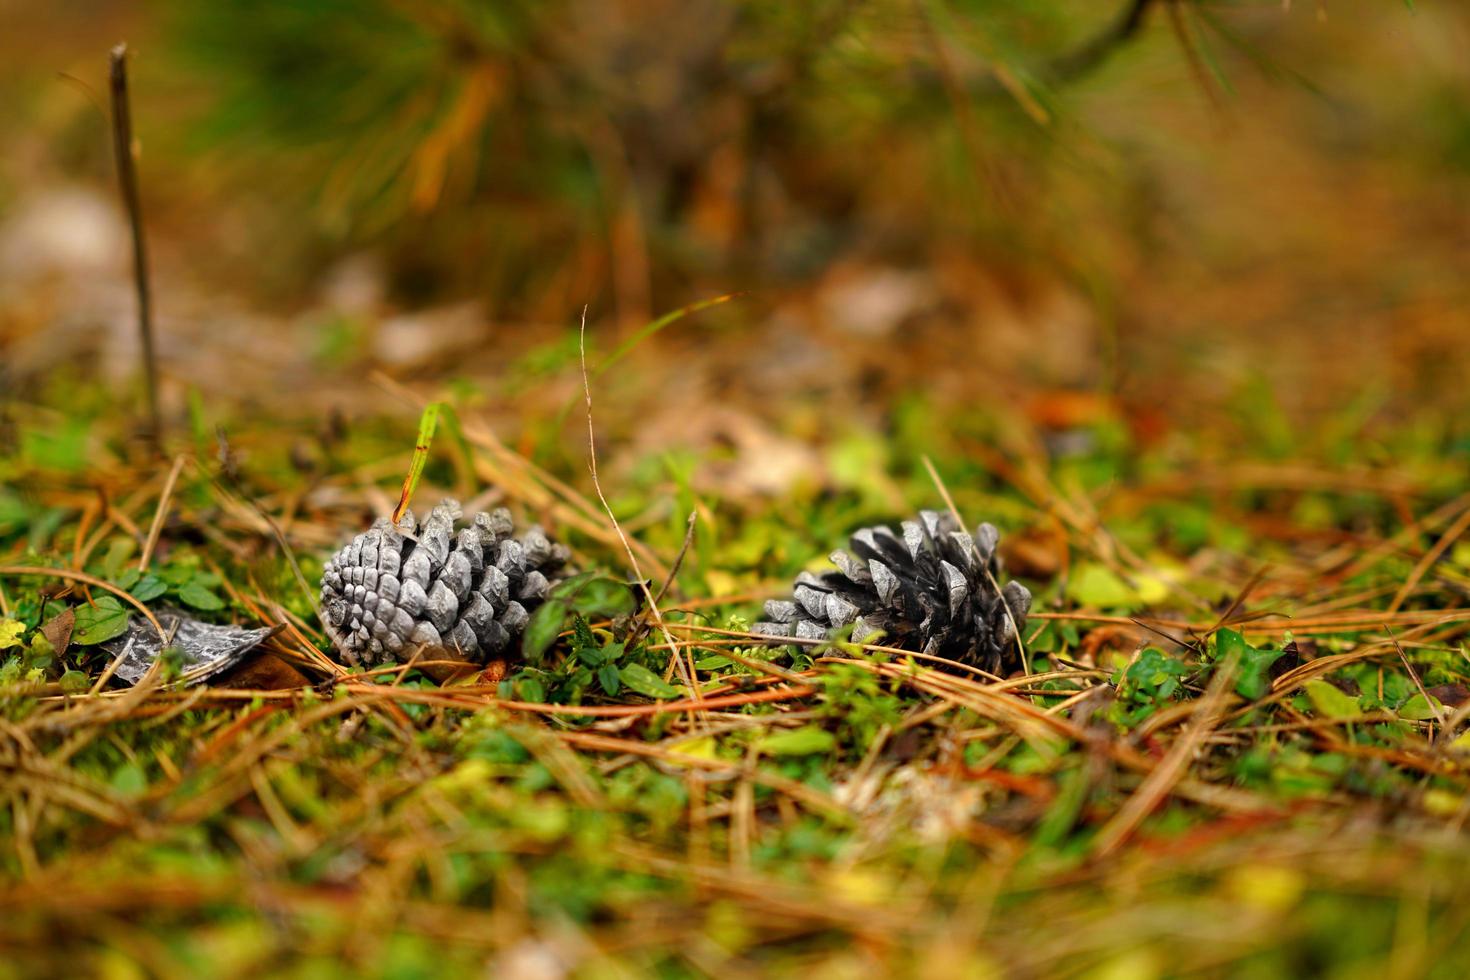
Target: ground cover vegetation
point(1231, 740)
point(1234, 738)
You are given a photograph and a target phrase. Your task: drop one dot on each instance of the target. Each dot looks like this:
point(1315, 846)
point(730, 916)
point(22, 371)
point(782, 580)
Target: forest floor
point(1240, 747)
point(1226, 448)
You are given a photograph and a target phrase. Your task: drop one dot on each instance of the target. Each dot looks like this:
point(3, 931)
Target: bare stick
point(127, 182)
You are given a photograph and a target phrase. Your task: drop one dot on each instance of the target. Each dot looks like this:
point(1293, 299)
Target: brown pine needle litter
point(1280, 747)
point(1114, 492)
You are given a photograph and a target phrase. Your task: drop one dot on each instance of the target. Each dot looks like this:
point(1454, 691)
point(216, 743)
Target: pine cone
point(933, 591)
point(461, 594)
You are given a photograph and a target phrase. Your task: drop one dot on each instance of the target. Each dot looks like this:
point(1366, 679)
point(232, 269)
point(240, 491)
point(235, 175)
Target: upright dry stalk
point(127, 181)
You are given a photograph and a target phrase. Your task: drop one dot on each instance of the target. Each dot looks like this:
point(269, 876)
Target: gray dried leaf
point(205, 649)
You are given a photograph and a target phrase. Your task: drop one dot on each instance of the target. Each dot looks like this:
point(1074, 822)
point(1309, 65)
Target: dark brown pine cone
point(933, 590)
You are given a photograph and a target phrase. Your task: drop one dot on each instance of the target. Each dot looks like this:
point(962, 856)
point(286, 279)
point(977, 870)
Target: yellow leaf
point(1441, 802)
point(10, 632)
point(721, 583)
point(1270, 888)
point(1152, 589)
point(698, 748)
point(860, 887)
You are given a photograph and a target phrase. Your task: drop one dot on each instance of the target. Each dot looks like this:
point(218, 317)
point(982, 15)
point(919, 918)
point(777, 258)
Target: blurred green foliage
point(502, 144)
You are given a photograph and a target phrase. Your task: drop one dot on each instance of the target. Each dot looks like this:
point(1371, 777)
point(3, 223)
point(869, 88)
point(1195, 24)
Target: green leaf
point(129, 780)
point(179, 573)
point(75, 682)
point(99, 622)
point(62, 447)
point(1329, 702)
point(567, 588)
point(807, 740)
point(587, 594)
point(583, 633)
point(543, 628)
point(530, 689)
point(10, 632)
point(1062, 814)
point(1100, 587)
point(1418, 708)
point(14, 513)
point(1253, 679)
point(149, 587)
point(125, 579)
point(196, 595)
point(610, 679)
point(639, 678)
point(602, 596)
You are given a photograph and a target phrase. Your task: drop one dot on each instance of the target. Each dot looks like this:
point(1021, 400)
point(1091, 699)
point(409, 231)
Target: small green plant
point(1152, 680)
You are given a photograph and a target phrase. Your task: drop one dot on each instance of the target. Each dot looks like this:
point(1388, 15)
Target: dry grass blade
point(1450, 536)
point(691, 679)
point(814, 800)
point(156, 528)
point(522, 479)
point(1157, 785)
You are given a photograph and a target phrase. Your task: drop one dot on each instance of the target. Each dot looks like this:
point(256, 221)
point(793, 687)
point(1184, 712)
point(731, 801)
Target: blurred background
point(1176, 215)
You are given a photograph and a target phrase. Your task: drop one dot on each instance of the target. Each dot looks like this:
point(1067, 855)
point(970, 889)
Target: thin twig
point(1414, 676)
point(690, 677)
point(227, 481)
point(127, 180)
point(679, 558)
point(636, 632)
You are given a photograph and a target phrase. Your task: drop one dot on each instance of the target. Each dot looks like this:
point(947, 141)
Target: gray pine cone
point(455, 592)
point(927, 591)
